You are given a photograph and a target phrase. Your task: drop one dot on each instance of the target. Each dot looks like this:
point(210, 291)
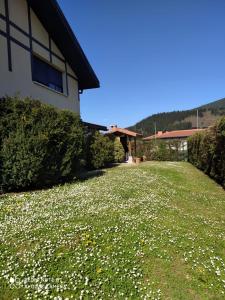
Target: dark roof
point(54, 21)
point(95, 126)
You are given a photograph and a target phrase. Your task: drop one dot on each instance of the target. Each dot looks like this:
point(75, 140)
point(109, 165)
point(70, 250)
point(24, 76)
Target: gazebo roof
point(122, 131)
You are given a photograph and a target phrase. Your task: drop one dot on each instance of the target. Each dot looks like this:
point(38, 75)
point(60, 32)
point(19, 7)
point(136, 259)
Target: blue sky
point(149, 55)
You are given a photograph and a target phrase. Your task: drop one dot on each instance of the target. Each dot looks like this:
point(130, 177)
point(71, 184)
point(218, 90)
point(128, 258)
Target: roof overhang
point(95, 126)
point(123, 132)
point(54, 21)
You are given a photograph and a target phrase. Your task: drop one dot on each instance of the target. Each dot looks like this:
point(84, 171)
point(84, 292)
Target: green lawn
point(155, 231)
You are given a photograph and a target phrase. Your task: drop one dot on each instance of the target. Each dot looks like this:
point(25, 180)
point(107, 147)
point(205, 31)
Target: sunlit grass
point(156, 231)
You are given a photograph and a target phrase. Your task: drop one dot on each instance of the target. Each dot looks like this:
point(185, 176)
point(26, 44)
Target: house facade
point(40, 56)
point(178, 135)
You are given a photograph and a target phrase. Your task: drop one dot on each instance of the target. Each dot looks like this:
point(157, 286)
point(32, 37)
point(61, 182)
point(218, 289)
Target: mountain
point(178, 120)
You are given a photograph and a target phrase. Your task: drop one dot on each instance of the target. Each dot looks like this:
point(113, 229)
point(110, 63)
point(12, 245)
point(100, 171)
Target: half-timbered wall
point(21, 36)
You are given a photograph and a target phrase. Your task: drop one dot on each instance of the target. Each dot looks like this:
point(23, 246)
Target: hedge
point(161, 150)
point(206, 150)
point(99, 150)
point(39, 145)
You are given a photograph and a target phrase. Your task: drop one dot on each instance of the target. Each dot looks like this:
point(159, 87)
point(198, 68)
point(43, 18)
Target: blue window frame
point(47, 75)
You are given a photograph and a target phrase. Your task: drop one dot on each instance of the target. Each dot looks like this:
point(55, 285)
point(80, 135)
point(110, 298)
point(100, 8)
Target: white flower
point(11, 280)
point(86, 281)
point(218, 272)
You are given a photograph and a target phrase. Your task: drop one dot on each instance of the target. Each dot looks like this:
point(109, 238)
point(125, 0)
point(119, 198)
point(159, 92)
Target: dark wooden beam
point(8, 36)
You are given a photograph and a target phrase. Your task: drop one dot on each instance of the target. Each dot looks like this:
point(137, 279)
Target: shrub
point(39, 145)
point(206, 150)
point(118, 151)
point(140, 149)
point(99, 150)
point(148, 150)
point(162, 150)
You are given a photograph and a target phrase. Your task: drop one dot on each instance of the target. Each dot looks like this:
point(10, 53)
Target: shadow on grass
point(88, 174)
point(82, 176)
point(85, 175)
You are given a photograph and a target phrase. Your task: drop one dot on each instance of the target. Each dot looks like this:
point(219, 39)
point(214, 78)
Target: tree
point(118, 151)
point(99, 151)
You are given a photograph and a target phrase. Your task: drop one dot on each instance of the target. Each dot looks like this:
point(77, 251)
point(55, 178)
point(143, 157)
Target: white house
point(176, 135)
point(40, 56)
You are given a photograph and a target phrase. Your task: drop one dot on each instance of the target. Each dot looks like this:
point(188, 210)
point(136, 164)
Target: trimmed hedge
point(206, 150)
point(39, 145)
point(118, 151)
point(99, 150)
point(161, 150)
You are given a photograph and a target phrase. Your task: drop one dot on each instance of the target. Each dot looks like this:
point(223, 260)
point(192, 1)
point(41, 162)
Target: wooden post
point(135, 146)
point(129, 146)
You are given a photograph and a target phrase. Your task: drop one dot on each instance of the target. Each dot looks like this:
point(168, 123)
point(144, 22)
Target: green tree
point(99, 151)
point(118, 151)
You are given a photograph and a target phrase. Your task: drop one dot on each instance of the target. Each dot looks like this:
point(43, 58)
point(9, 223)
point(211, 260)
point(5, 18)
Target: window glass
point(47, 75)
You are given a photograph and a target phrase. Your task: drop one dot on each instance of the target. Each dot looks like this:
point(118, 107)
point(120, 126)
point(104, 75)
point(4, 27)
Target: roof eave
point(62, 34)
point(95, 126)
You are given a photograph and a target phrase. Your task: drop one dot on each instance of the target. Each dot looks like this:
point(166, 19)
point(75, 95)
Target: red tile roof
point(120, 131)
point(173, 134)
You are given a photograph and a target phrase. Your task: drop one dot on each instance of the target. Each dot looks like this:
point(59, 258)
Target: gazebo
point(126, 138)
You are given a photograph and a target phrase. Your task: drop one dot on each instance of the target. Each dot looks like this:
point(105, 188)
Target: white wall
point(20, 79)
point(2, 7)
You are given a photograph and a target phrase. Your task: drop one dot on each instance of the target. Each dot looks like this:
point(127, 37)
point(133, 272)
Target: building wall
point(17, 41)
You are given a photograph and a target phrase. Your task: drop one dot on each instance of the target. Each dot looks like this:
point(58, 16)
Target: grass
point(155, 231)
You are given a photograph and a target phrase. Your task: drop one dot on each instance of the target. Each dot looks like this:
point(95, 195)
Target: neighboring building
point(181, 135)
point(40, 56)
point(126, 138)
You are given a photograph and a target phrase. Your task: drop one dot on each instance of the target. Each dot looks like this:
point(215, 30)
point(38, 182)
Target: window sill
point(50, 89)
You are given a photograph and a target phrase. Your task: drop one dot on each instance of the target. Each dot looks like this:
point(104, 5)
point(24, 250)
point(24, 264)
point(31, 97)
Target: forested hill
point(178, 120)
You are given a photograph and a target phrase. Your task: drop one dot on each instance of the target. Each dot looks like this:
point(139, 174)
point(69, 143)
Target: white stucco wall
point(19, 81)
point(2, 25)
point(2, 7)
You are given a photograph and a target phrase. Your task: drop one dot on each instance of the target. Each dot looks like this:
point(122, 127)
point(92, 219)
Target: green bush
point(118, 151)
point(39, 145)
point(161, 150)
point(99, 150)
point(140, 149)
point(206, 150)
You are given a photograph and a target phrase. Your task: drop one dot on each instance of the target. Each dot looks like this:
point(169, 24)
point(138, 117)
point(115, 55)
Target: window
point(45, 74)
